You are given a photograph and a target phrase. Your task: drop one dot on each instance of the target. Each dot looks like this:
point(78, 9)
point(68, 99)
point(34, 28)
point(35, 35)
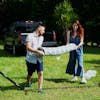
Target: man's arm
point(29, 48)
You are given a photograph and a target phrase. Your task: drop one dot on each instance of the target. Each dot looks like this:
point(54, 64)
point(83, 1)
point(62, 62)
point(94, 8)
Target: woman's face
point(75, 26)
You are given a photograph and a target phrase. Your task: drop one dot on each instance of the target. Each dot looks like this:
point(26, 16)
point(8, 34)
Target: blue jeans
point(76, 55)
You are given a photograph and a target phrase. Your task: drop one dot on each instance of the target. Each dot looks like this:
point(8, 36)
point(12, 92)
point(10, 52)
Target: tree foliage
point(56, 14)
point(65, 14)
point(89, 12)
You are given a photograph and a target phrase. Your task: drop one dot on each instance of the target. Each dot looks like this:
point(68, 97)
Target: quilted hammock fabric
point(59, 50)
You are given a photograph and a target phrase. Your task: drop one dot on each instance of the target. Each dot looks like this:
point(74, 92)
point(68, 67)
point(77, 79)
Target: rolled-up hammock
point(58, 50)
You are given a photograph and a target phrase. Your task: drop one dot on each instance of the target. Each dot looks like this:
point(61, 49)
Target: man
point(34, 57)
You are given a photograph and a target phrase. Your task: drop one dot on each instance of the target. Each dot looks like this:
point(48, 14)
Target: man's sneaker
point(40, 91)
point(28, 85)
point(83, 80)
point(74, 79)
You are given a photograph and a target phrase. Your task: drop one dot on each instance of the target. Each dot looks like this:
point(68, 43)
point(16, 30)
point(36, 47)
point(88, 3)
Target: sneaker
point(28, 85)
point(83, 80)
point(40, 91)
point(74, 79)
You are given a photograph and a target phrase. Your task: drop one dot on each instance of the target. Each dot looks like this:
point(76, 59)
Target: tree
point(89, 12)
point(64, 15)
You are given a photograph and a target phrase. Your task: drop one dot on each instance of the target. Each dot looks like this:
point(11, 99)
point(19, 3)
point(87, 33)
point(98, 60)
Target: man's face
point(41, 30)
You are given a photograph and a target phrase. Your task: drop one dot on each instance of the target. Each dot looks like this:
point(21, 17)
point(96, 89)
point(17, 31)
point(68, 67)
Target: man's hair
point(37, 24)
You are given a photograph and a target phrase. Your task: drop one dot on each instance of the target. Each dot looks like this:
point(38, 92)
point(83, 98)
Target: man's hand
point(41, 53)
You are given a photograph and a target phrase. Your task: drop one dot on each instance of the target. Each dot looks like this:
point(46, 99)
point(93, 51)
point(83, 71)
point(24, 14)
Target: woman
point(76, 35)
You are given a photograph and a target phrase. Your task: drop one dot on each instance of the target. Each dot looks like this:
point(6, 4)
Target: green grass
point(57, 85)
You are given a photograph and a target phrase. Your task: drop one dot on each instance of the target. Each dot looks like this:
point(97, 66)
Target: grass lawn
point(57, 85)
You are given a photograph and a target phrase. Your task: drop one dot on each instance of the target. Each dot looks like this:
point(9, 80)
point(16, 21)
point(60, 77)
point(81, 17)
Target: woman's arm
point(81, 39)
point(81, 43)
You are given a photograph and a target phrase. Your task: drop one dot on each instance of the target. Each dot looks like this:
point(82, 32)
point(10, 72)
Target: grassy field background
point(57, 85)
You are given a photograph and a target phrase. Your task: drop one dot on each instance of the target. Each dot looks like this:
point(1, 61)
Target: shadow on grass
point(59, 80)
point(13, 87)
point(93, 62)
point(5, 54)
point(10, 54)
point(56, 88)
point(63, 80)
point(91, 50)
point(97, 67)
point(26, 90)
point(65, 87)
point(33, 80)
point(4, 88)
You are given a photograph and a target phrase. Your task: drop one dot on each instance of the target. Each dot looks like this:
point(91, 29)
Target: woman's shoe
point(83, 80)
point(74, 79)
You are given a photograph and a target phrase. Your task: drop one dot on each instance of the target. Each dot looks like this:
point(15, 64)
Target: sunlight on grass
point(57, 85)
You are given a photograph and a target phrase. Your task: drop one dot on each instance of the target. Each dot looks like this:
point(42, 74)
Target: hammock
point(58, 50)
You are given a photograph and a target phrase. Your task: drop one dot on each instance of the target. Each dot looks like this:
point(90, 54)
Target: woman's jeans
point(76, 55)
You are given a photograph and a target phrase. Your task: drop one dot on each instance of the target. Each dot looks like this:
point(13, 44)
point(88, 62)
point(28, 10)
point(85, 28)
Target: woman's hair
point(80, 29)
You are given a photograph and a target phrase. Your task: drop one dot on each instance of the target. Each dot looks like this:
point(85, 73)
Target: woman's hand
point(76, 47)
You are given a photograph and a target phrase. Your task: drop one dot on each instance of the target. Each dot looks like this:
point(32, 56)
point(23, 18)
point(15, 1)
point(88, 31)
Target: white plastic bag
point(90, 73)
